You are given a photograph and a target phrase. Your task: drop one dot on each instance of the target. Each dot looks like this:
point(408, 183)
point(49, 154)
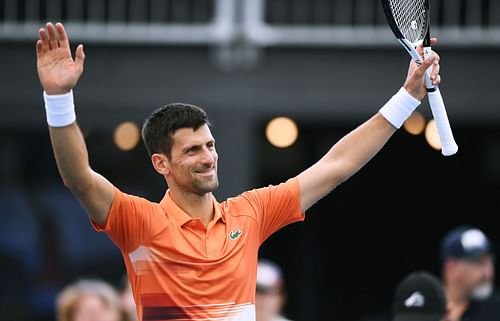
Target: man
point(190, 257)
point(270, 294)
point(468, 274)
point(419, 297)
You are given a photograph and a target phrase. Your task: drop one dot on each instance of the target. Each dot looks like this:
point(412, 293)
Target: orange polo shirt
point(180, 269)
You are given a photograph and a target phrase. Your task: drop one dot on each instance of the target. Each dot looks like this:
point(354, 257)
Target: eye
point(211, 145)
point(192, 150)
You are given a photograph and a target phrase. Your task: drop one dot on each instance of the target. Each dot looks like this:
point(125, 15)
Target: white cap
point(269, 275)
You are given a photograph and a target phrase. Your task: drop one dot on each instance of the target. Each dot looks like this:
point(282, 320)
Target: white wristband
point(399, 108)
point(60, 109)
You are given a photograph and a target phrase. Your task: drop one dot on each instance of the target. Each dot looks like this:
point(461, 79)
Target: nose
point(208, 157)
point(488, 270)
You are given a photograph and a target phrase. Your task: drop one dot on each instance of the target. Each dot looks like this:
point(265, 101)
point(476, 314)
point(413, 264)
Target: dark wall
point(128, 82)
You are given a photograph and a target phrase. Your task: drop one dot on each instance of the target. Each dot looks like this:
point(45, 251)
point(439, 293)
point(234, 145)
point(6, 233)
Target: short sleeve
point(276, 206)
point(129, 221)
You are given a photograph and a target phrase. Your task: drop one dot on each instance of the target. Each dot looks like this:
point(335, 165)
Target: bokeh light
point(415, 124)
point(282, 132)
point(126, 136)
point(432, 136)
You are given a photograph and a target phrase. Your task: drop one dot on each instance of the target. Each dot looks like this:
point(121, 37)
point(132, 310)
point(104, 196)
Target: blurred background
point(282, 80)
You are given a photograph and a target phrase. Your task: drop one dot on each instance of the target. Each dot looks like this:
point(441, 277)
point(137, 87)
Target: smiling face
point(193, 163)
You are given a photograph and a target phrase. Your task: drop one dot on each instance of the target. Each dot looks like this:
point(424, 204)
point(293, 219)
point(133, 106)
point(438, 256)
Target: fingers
point(42, 34)
point(420, 46)
point(80, 57)
point(62, 35)
point(433, 62)
point(435, 77)
point(53, 39)
point(433, 42)
point(433, 59)
point(39, 49)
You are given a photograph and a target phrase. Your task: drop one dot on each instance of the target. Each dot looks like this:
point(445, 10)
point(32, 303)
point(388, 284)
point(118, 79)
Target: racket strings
point(410, 17)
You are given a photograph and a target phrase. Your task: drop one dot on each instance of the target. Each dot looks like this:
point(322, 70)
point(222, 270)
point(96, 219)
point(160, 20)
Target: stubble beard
point(205, 185)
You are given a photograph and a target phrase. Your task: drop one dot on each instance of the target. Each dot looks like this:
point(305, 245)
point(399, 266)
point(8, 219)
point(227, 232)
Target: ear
point(161, 164)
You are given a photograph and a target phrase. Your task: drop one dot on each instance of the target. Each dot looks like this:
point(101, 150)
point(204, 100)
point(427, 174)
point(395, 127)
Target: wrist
point(60, 109)
point(54, 92)
point(399, 107)
point(417, 94)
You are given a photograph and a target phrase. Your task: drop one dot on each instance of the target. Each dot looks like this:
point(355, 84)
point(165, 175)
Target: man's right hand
point(57, 70)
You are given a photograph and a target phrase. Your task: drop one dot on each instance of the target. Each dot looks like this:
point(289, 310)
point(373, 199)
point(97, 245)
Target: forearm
point(71, 156)
point(93, 191)
point(355, 149)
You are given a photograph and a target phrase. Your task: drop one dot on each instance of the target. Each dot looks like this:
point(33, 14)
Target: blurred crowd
point(465, 291)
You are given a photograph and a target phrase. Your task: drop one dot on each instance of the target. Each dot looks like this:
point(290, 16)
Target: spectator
point(89, 300)
point(419, 297)
point(127, 300)
point(468, 271)
point(270, 296)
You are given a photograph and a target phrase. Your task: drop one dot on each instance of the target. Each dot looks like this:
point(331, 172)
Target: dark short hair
point(159, 128)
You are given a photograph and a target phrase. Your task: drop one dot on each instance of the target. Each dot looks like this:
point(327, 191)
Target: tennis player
point(190, 257)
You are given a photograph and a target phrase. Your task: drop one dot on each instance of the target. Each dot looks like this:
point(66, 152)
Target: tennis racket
point(410, 23)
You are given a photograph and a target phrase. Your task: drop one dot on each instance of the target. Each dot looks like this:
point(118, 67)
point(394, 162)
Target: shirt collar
point(181, 217)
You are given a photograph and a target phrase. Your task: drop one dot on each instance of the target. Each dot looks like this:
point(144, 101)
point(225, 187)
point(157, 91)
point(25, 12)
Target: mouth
point(206, 172)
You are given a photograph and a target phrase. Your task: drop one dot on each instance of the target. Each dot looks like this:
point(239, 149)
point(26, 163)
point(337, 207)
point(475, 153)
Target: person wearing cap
point(270, 294)
point(420, 297)
point(467, 265)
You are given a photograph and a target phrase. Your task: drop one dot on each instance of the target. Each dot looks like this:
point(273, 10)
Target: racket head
point(408, 19)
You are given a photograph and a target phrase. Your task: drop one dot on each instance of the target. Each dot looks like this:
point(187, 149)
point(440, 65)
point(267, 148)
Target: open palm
point(57, 71)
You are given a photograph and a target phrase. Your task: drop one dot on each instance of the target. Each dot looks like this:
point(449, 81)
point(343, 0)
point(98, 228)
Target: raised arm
point(355, 149)
point(58, 73)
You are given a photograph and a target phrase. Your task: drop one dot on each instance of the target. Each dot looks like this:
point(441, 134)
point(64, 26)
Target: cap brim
point(419, 317)
point(266, 289)
point(476, 254)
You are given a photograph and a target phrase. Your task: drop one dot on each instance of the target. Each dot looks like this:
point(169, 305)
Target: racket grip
point(449, 146)
point(428, 81)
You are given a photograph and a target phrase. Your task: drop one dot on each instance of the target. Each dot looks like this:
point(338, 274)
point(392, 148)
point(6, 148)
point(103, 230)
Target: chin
point(206, 187)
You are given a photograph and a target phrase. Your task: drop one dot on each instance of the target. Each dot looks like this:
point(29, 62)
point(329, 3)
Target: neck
point(196, 206)
point(457, 301)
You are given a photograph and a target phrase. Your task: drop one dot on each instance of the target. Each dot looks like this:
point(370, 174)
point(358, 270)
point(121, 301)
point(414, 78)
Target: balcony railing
point(127, 21)
point(362, 22)
point(253, 23)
